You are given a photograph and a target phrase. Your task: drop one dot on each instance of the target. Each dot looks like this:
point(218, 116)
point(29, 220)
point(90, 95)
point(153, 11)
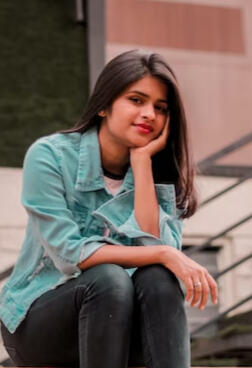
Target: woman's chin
point(140, 141)
point(140, 144)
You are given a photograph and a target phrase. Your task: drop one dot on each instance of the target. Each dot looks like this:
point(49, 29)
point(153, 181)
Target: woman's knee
point(107, 281)
point(156, 281)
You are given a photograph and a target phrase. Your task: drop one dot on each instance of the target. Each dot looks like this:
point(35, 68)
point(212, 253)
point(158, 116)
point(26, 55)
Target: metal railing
point(6, 273)
point(240, 143)
point(204, 166)
point(219, 235)
point(221, 315)
point(227, 189)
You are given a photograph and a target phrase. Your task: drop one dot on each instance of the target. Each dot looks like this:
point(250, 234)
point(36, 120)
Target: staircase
point(233, 340)
point(224, 334)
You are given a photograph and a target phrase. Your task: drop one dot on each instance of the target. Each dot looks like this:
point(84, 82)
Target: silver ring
point(197, 284)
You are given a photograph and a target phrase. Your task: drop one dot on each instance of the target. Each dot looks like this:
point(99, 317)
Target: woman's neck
point(113, 158)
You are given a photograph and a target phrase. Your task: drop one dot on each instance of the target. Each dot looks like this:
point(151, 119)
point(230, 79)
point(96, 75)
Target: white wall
point(12, 216)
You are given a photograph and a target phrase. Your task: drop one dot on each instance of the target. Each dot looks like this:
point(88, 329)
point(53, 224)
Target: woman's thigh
point(50, 332)
point(47, 330)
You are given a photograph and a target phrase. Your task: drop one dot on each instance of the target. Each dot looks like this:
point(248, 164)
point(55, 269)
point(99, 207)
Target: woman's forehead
point(149, 85)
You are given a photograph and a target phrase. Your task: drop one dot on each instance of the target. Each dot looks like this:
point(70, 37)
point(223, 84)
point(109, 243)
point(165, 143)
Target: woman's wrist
point(140, 159)
point(167, 254)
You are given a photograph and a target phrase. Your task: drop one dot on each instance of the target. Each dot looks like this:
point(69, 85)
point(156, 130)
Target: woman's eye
point(136, 100)
point(162, 109)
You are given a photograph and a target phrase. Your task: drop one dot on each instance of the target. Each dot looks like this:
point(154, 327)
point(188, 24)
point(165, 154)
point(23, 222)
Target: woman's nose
point(148, 112)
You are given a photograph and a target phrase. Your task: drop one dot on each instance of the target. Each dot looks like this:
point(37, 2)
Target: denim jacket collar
point(90, 175)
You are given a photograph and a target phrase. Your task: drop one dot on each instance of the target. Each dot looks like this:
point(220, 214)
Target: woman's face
point(137, 116)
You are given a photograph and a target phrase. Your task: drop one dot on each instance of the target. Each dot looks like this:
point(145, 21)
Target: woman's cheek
point(157, 134)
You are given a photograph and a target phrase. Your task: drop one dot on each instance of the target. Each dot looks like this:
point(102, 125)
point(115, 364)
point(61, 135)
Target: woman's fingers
point(156, 144)
point(197, 292)
point(197, 280)
point(204, 293)
point(213, 288)
point(189, 288)
point(199, 288)
point(165, 130)
point(164, 134)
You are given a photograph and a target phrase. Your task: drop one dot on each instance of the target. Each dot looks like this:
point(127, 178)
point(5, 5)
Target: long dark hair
point(171, 165)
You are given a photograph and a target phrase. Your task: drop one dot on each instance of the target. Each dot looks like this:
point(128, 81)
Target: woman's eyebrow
point(145, 95)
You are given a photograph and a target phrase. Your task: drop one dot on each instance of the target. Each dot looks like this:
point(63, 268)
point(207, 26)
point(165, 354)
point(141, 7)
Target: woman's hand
point(153, 146)
point(198, 282)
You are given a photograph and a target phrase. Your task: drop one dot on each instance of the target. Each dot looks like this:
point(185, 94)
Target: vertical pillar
point(96, 38)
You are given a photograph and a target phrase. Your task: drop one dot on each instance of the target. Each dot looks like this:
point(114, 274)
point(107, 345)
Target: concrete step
point(233, 346)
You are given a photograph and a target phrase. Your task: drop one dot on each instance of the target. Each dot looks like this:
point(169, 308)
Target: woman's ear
point(102, 113)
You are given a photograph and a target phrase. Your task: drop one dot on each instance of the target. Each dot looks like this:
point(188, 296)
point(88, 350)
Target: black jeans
point(106, 319)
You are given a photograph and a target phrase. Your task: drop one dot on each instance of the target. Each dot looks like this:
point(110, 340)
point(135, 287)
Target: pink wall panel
point(175, 25)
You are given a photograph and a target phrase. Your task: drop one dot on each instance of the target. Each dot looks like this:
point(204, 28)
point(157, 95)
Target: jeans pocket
point(15, 356)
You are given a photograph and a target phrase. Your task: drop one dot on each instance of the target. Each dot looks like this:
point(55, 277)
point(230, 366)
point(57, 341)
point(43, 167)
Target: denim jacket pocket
point(80, 214)
point(89, 225)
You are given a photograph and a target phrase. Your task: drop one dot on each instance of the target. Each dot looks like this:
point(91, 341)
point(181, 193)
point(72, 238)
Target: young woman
point(96, 282)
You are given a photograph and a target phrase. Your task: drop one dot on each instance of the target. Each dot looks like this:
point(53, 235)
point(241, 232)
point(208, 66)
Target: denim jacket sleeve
point(52, 222)
point(119, 215)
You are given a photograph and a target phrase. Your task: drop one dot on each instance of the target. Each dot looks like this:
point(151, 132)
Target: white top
point(113, 187)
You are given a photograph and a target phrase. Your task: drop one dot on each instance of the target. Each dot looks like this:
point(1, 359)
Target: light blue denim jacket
point(68, 210)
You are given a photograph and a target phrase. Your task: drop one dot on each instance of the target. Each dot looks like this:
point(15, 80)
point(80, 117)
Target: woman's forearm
point(145, 201)
point(133, 256)
point(184, 268)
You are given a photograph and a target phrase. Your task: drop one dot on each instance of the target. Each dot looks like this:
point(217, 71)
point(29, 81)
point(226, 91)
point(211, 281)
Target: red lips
point(144, 128)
